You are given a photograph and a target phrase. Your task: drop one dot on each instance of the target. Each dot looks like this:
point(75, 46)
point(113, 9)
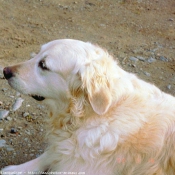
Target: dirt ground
point(139, 33)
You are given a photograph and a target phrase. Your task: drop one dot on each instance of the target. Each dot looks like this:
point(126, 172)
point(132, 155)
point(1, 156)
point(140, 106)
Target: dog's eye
point(42, 65)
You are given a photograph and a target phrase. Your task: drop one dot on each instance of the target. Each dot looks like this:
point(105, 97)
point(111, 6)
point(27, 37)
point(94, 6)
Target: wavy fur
point(103, 120)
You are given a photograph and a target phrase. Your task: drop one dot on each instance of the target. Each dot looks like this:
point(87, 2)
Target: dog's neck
point(67, 115)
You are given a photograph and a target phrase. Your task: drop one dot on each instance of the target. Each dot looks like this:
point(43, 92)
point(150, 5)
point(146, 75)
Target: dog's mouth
point(38, 98)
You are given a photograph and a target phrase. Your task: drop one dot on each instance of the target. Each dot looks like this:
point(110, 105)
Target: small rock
point(1, 69)
point(2, 143)
point(26, 139)
point(1, 129)
point(34, 117)
point(13, 131)
point(25, 114)
point(133, 65)
point(151, 60)
point(32, 55)
point(3, 114)
point(9, 118)
point(1, 103)
point(1, 76)
point(1, 73)
point(11, 96)
point(4, 89)
point(29, 118)
point(169, 86)
point(138, 51)
point(133, 59)
point(155, 49)
point(147, 74)
point(19, 127)
point(28, 132)
point(40, 106)
point(102, 25)
point(141, 58)
point(171, 19)
point(162, 58)
point(17, 104)
point(9, 148)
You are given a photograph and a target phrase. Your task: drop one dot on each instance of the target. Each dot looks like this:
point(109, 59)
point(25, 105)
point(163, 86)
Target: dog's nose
point(7, 73)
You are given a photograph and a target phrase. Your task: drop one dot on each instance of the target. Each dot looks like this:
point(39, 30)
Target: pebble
point(40, 106)
point(3, 114)
point(102, 25)
point(11, 96)
point(25, 114)
point(2, 143)
point(19, 127)
point(133, 65)
point(32, 55)
point(141, 58)
point(9, 148)
point(9, 118)
point(1, 103)
point(28, 132)
point(1, 73)
point(138, 51)
point(151, 60)
point(169, 86)
point(4, 89)
point(29, 118)
point(162, 58)
point(147, 74)
point(133, 59)
point(17, 104)
point(13, 131)
point(1, 76)
point(26, 139)
point(171, 19)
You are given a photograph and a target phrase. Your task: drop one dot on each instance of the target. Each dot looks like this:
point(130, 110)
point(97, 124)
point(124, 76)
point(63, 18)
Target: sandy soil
point(143, 29)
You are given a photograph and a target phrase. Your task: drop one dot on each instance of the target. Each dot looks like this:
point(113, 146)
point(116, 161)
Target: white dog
point(103, 120)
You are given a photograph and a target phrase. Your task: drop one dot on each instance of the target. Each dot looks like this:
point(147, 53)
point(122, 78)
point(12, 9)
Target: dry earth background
point(140, 33)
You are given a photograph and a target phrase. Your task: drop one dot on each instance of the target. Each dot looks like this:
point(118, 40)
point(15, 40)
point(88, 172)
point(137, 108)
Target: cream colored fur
point(103, 120)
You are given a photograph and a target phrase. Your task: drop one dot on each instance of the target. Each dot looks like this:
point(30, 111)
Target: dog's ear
point(96, 82)
point(100, 100)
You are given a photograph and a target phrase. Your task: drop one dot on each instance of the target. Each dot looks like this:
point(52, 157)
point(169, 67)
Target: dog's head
point(66, 68)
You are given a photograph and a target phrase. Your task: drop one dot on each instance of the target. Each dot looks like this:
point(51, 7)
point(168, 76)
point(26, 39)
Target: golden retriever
point(103, 120)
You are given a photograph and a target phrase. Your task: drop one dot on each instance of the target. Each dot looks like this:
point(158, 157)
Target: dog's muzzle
point(8, 73)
